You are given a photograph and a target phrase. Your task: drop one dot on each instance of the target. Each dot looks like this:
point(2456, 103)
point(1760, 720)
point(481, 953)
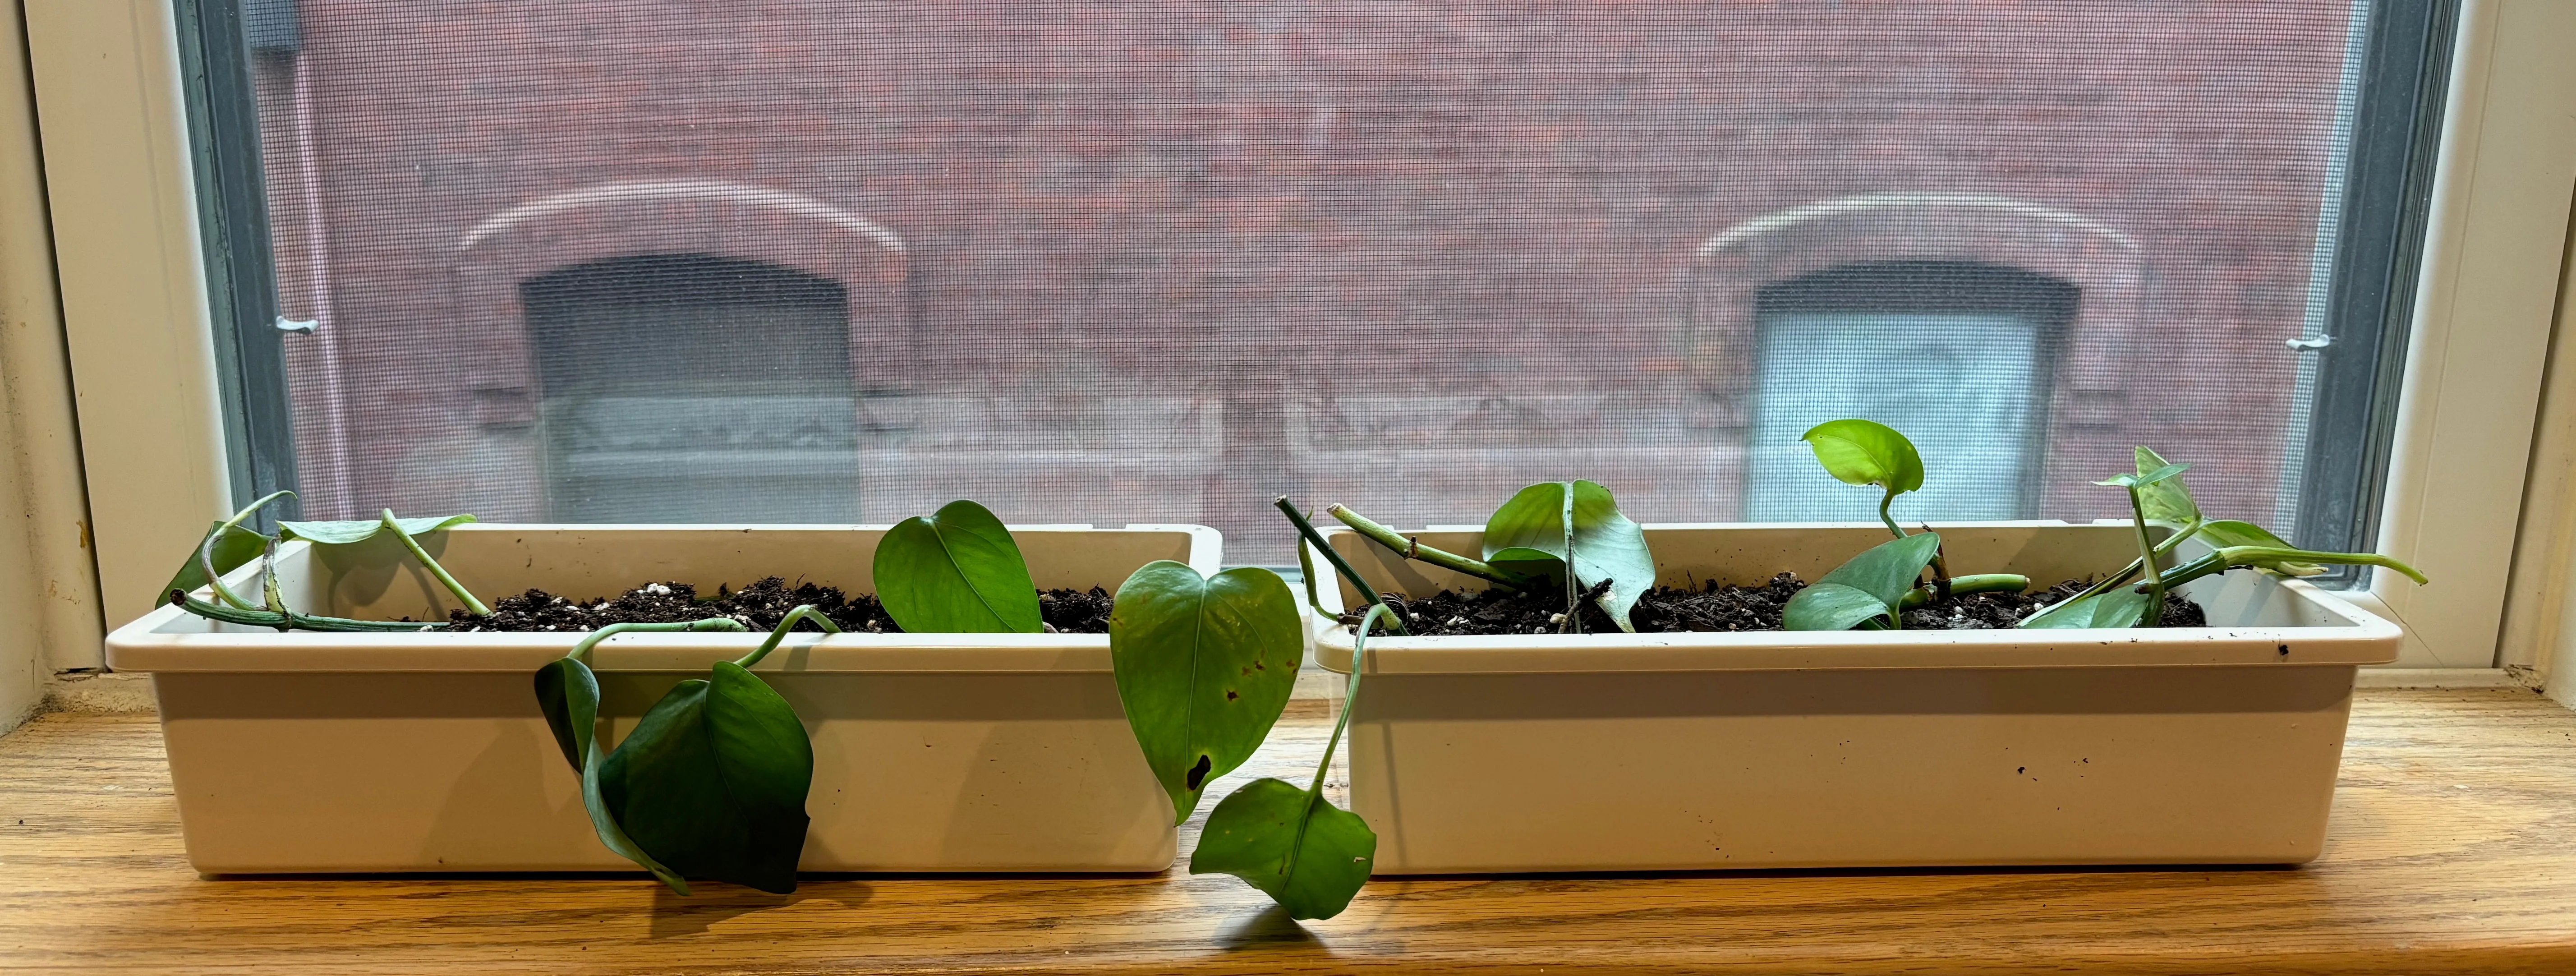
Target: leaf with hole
point(956, 572)
point(1305, 853)
point(1204, 667)
point(712, 781)
point(1546, 526)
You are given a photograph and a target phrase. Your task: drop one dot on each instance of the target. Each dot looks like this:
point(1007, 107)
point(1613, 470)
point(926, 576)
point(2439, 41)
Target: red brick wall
point(1332, 210)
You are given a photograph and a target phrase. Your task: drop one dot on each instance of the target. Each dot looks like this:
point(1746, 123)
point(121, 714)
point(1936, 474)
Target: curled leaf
point(2165, 499)
point(352, 532)
point(712, 782)
point(1531, 536)
point(956, 572)
point(235, 549)
point(1871, 584)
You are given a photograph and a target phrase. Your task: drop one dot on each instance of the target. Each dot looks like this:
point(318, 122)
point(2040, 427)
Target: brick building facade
point(1157, 262)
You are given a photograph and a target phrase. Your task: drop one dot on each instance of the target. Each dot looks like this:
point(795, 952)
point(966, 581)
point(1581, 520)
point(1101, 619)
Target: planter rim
point(2359, 638)
point(140, 647)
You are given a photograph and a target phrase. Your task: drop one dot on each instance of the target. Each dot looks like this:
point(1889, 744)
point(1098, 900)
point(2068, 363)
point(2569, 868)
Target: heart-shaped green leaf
point(1888, 569)
point(2119, 606)
point(712, 782)
point(956, 572)
point(236, 548)
point(1862, 452)
point(350, 533)
point(2166, 499)
point(1830, 606)
point(1308, 855)
point(1553, 523)
point(1204, 667)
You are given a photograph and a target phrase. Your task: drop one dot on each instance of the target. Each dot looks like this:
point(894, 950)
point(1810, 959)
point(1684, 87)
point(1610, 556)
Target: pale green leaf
point(1862, 452)
point(352, 532)
point(1529, 533)
point(2166, 500)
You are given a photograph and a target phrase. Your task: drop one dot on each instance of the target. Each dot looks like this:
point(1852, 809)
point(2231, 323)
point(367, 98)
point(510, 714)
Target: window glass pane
point(642, 260)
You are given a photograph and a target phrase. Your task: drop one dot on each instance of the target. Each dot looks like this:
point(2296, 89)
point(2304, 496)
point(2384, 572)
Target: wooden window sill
point(2453, 850)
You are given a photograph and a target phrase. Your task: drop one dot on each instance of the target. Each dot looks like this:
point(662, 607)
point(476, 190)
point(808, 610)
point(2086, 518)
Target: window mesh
point(1112, 263)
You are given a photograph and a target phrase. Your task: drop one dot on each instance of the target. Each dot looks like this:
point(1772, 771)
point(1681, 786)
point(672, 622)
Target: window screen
point(1111, 263)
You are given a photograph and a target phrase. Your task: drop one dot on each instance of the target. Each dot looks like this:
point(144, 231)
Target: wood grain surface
point(2453, 850)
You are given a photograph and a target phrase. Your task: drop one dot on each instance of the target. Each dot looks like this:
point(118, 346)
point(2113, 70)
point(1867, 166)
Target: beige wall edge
point(2488, 290)
point(118, 178)
point(49, 615)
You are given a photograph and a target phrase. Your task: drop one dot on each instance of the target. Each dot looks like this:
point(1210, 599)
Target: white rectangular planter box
point(1857, 748)
point(317, 752)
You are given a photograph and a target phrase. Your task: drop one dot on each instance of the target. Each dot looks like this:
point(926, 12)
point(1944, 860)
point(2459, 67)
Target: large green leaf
point(568, 693)
point(1548, 525)
point(1867, 586)
point(348, 533)
point(2119, 606)
point(712, 782)
point(2166, 500)
point(1862, 452)
point(237, 548)
point(1888, 569)
point(956, 572)
point(1831, 606)
point(1307, 854)
point(1204, 667)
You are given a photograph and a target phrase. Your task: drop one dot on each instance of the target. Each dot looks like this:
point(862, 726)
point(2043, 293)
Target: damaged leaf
point(1204, 667)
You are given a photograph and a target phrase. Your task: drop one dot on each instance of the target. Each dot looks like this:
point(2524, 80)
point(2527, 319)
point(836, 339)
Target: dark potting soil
point(760, 606)
point(1715, 607)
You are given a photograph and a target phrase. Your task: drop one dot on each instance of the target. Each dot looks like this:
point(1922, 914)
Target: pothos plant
point(1873, 589)
point(1567, 536)
point(712, 782)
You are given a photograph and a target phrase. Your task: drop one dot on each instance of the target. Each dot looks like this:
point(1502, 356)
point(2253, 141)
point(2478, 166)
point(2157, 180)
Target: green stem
point(269, 594)
point(1883, 503)
point(2239, 557)
point(2105, 584)
point(2147, 558)
point(1306, 530)
point(1350, 693)
point(472, 605)
point(779, 633)
point(206, 550)
point(1573, 589)
point(1963, 585)
point(288, 620)
point(1414, 549)
point(581, 650)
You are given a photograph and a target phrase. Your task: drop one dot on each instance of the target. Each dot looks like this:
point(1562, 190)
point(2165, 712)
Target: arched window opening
point(694, 388)
point(1960, 356)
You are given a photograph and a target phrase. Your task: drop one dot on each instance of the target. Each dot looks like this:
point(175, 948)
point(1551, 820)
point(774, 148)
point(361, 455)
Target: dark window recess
point(2396, 133)
point(693, 388)
point(1960, 356)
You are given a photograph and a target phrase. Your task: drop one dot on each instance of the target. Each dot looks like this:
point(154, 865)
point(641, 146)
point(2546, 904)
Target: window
point(689, 388)
point(1158, 264)
point(1962, 355)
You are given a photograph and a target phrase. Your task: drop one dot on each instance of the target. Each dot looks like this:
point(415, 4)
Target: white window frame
point(134, 305)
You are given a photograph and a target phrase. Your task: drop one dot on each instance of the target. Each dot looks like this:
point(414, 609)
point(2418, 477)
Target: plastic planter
point(307, 752)
point(1855, 749)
